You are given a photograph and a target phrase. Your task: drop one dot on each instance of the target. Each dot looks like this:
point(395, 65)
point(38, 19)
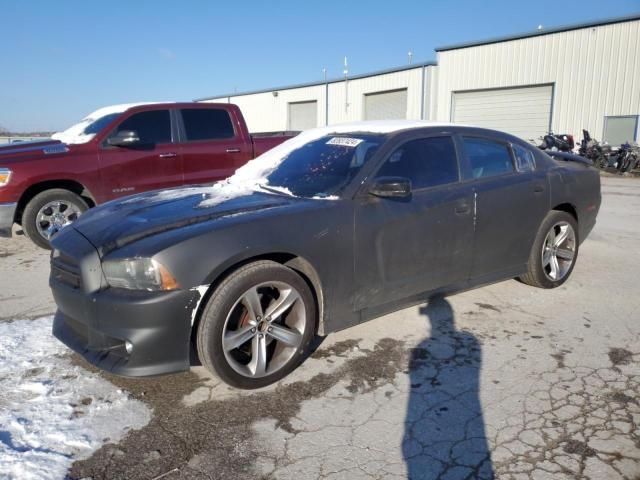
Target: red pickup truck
point(121, 150)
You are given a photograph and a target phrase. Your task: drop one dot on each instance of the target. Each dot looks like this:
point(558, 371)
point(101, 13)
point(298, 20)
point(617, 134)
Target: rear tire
point(257, 325)
point(554, 252)
point(48, 212)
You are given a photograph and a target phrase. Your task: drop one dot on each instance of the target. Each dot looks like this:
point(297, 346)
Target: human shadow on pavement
point(444, 427)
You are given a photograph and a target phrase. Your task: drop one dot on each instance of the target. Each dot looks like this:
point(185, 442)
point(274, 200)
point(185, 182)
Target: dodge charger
point(331, 228)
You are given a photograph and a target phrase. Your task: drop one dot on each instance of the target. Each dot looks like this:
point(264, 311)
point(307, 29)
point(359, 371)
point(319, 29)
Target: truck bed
point(267, 140)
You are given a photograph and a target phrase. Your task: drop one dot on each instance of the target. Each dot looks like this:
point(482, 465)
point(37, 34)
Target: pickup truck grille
point(65, 270)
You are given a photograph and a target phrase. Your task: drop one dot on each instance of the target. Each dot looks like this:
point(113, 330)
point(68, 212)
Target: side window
point(427, 162)
point(207, 124)
point(152, 127)
point(525, 161)
point(487, 158)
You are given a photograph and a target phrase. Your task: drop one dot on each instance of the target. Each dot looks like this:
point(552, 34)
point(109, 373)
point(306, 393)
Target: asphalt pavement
point(504, 381)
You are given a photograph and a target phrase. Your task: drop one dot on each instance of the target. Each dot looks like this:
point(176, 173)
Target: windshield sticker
point(345, 141)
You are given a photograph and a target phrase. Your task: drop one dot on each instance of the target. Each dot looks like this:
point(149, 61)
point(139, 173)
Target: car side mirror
point(391, 187)
point(124, 138)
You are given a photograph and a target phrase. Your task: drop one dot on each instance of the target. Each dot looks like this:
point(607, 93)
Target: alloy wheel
point(54, 216)
point(264, 329)
point(558, 251)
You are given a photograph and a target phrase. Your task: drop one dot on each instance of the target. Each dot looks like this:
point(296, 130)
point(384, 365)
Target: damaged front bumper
point(126, 332)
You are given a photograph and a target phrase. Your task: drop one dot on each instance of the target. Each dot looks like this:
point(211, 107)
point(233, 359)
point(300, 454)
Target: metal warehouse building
point(567, 79)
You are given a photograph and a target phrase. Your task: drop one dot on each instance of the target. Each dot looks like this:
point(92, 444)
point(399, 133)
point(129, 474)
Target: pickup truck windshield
point(324, 167)
point(92, 124)
point(85, 129)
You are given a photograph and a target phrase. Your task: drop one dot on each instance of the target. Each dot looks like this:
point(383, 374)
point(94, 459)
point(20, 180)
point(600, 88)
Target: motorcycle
point(598, 153)
point(627, 157)
point(561, 142)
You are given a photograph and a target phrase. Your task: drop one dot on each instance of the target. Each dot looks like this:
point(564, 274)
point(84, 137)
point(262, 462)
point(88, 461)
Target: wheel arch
point(568, 208)
point(65, 184)
point(299, 264)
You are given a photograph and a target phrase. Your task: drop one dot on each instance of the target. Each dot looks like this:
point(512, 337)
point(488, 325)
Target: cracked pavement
point(506, 381)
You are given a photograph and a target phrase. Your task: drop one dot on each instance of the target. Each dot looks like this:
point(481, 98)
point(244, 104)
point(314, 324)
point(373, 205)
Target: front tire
point(50, 211)
point(257, 325)
point(554, 252)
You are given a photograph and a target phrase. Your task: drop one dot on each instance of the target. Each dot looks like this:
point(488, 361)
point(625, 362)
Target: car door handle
point(538, 188)
point(233, 150)
point(462, 209)
point(168, 155)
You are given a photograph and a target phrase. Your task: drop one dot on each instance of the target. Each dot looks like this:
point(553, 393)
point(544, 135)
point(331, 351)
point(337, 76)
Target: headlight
point(5, 176)
point(138, 274)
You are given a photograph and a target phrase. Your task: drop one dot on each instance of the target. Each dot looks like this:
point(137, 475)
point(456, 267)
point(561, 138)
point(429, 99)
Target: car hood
point(121, 222)
point(27, 149)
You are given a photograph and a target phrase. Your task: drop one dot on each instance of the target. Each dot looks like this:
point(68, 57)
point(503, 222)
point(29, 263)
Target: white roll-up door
point(521, 111)
point(386, 105)
point(303, 115)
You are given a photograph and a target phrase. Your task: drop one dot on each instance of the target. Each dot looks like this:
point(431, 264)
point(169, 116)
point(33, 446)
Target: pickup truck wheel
point(257, 325)
point(554, 252)
point(48, 212)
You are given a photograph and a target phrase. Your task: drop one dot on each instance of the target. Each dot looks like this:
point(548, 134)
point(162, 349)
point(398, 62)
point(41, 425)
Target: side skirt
point(367, 314)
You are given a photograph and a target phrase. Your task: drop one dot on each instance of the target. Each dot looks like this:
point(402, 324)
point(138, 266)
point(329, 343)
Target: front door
point(151, 164)
point(405, 246)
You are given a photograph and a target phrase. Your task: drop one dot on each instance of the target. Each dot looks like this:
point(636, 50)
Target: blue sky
point(63, 59)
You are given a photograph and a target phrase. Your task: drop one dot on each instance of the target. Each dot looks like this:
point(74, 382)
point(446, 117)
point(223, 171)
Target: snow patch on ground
point(52, 412)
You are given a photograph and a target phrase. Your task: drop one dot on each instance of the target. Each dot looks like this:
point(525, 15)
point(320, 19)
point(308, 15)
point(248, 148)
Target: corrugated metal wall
point(596, 72)
point(521, 111)
point(358, 88)
point(266, 112)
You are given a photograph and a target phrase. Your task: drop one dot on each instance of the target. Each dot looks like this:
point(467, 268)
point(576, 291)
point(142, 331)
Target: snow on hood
point(75, 134)
point(53, 412)
point(254, 174)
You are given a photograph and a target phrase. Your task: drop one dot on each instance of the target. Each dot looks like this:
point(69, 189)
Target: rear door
point(211, 147)
point(154, 163)
point(510, 203)
point(404, 246)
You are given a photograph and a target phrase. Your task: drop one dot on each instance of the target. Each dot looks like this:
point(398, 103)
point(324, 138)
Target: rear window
point(487, 158)
point(206, 124)
point(525, 161)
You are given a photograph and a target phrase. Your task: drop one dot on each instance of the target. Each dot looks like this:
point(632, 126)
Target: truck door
point(152, 163)
point(212, 149)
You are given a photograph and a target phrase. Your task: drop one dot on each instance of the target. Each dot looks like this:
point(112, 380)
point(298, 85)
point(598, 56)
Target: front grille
point(65, 270)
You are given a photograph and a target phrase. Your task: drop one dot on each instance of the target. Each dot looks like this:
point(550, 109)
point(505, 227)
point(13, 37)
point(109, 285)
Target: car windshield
point(324, 167)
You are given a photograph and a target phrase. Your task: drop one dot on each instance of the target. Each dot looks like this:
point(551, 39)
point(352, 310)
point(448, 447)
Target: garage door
point(524, 112)
point(385, 105)
point(303, 115)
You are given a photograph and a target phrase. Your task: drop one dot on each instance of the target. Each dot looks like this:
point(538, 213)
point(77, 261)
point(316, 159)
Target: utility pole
point(410, 55)
point(346, 86)
point(326, 97)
